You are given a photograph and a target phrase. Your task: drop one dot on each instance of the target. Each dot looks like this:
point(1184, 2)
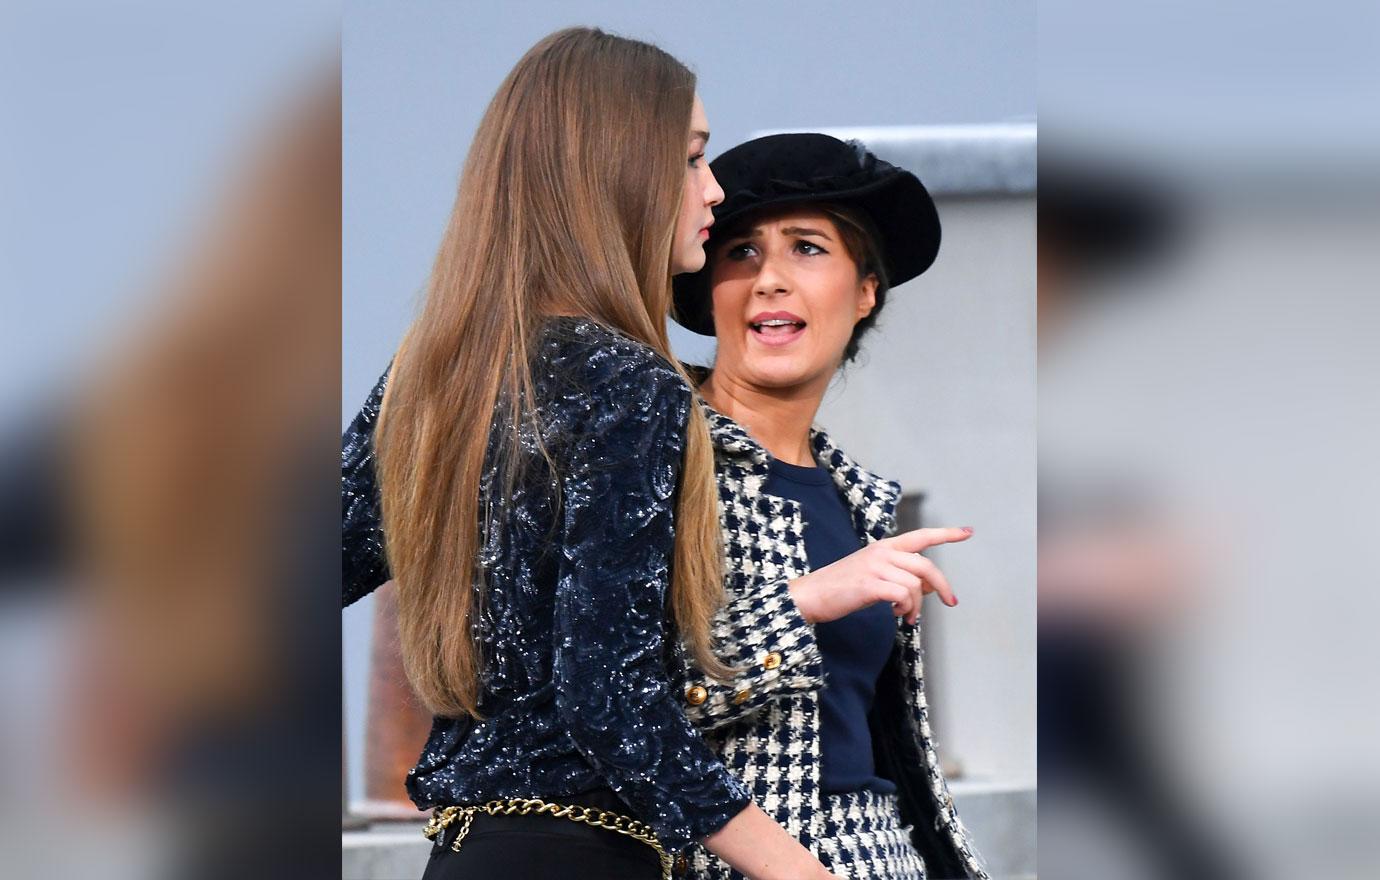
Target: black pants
point(543, 847)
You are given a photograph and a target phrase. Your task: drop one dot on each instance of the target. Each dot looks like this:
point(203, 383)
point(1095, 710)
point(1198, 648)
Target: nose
point(713, 193)
point(772, 278)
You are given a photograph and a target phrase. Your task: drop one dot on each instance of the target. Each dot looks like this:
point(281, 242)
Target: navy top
point(576, 690)
point(854, 647)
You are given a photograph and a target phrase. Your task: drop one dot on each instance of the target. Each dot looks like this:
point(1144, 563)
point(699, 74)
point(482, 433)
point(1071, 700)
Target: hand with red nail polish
point(890, 570)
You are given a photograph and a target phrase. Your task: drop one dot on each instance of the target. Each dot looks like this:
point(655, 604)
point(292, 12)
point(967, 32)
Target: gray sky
point(419, 75)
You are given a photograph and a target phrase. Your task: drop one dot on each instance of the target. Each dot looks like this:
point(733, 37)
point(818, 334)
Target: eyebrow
point(702, 135)
point(756, 232)
point(805, 230)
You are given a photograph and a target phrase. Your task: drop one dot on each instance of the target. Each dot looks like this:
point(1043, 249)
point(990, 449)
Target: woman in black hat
point(827, 721)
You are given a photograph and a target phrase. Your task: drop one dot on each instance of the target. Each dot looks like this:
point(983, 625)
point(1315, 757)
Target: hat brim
point(901, 210)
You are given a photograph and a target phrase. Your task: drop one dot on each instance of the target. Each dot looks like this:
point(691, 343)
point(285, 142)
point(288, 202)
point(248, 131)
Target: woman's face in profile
point(786, 298)
point(701, 194)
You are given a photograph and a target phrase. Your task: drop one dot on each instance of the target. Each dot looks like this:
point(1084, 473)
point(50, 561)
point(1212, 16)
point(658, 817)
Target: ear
point(867, 296)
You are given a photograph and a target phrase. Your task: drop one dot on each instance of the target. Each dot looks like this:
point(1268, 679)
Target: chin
point(690, 261)
point(778, 373)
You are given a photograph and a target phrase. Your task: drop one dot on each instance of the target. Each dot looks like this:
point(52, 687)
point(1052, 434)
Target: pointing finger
point(919, 539)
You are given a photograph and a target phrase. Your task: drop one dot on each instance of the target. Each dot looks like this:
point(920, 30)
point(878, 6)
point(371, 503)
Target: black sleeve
point(364, 567)
point(619, 485)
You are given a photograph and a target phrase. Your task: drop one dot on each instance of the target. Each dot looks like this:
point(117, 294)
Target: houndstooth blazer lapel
point(764, 544)
point(871, 500)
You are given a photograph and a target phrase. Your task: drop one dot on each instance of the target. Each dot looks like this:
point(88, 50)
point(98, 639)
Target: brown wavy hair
point(567, 205)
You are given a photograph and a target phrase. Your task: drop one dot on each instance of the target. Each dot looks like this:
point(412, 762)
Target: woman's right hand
point(890, 570)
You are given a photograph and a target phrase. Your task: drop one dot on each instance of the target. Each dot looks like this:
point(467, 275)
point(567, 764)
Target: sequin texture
point(577, 693)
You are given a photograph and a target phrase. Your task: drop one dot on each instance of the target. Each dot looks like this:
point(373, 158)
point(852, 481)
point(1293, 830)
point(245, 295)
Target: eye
point(740, 251)
point(695, 159)
point(809, 248)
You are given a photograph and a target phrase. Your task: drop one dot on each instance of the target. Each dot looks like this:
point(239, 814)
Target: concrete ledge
point(1002, 819)
point(953, 160)
point(387, 851)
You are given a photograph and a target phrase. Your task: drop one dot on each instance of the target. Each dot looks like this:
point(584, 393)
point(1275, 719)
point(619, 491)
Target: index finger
point(918, 539)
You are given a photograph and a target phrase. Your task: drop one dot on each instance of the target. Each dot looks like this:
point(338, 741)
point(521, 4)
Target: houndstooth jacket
point(765, 724)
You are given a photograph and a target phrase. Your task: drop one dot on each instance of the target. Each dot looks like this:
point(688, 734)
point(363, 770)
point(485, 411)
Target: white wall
point(942, 399)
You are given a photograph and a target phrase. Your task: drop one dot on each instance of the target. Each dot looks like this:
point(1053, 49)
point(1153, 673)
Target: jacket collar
point(871, 499)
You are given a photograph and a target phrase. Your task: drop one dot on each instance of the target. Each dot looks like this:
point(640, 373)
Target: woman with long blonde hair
point(533, 473)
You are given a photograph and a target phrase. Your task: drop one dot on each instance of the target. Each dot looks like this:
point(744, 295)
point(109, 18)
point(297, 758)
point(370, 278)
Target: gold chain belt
point(444, 817)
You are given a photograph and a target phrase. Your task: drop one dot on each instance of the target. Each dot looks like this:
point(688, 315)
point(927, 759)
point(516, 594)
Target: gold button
point(772, 660)
point(742, 696)
point(682, 864)
point(696, 695)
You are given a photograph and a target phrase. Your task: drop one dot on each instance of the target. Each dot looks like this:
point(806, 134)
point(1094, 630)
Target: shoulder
point(831, 456)
point(360, 430)
point(590, 360)
point(595, 376)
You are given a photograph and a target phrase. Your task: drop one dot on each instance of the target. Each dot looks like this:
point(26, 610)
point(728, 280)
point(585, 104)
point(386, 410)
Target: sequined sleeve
point(363, 565)
point(619, 481)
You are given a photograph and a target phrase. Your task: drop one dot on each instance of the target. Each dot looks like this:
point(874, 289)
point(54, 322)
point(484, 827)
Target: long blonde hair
point(567, 204)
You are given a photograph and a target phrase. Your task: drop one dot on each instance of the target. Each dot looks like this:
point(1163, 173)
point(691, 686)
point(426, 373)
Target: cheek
point(688, 211)
point(725, 296)
point(727, 299)
point(841, 304)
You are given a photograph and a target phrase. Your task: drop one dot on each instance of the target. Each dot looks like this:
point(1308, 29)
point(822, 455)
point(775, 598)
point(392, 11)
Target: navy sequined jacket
point(576, 690)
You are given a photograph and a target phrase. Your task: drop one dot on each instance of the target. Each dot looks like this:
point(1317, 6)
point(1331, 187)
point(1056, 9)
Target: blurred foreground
point(1209, 416)
point(168, 617)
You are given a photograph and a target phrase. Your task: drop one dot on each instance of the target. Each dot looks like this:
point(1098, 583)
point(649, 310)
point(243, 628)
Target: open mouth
point(777, 331)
